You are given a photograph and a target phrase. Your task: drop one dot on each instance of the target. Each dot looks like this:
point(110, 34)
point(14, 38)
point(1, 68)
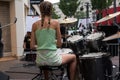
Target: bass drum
point(96, 66)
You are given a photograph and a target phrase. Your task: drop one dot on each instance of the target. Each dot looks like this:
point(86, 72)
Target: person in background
point(63, 32)
point(64, 35)
point(27, 39)
point(47, 36)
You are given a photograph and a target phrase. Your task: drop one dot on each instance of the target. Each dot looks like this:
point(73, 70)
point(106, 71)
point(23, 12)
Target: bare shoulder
point(55, 23)
point(35, 24)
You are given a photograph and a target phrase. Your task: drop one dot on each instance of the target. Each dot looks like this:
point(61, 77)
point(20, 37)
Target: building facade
point(13, 34)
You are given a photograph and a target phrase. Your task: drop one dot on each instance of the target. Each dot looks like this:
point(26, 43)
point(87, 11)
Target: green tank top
point(46, 39)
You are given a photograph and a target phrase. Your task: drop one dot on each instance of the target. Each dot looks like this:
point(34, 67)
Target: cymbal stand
point(65, 35)
point(117, 76)
point(85, 46)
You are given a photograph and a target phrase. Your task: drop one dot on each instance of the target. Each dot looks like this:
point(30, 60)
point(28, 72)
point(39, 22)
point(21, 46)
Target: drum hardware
point(115, 36)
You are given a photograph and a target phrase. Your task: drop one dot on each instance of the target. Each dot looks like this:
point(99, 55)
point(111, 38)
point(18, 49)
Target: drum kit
point(95, 63)
point(80, 43)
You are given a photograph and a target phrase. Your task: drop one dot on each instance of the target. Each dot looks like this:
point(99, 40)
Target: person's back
point(48, 41)
point(46, 44)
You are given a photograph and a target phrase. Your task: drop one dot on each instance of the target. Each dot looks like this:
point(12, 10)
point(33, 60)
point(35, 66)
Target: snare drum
point(64, 51)
point(94, 41)
point(75, 42)
point(95, 66)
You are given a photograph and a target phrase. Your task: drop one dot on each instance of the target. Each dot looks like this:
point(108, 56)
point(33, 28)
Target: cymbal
point(114, 36)
point(67, 20)
point(108, 17)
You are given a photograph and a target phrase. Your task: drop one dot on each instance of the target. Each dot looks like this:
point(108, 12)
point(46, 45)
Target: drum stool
point(52, 74)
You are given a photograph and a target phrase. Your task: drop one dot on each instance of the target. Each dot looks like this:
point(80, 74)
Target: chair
point(52, 74)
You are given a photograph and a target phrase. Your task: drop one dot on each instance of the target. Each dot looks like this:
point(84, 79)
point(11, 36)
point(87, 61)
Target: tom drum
point(94, 41)
point(75, 42)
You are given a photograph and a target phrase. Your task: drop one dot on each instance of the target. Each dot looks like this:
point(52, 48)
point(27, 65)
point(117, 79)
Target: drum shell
point(95, 68)
point(75, 42)
point(95, 44)
point(76, 46)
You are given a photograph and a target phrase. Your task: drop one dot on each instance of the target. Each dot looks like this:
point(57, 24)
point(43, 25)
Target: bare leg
point(46, 75)
point(72, 70)
point(71, 59)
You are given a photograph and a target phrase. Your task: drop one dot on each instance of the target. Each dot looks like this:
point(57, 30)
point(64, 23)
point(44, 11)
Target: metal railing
point(113, 48)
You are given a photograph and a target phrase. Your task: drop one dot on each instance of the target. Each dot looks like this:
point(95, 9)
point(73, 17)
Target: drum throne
point(53, 72)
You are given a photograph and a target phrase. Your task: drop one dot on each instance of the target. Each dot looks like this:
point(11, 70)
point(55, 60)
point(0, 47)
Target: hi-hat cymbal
point(108, 17)
point(67, 20)
point(114, 36)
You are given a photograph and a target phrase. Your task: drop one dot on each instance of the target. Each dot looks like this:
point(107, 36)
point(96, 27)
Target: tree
point(80, 15)
point(101, 4)
point(54, 15)
point(69, 7)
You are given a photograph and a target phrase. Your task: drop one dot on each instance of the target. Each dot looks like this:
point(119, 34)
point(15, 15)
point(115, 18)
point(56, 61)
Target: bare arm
point(33, 39)
point(24, 45)
point(58, 35)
